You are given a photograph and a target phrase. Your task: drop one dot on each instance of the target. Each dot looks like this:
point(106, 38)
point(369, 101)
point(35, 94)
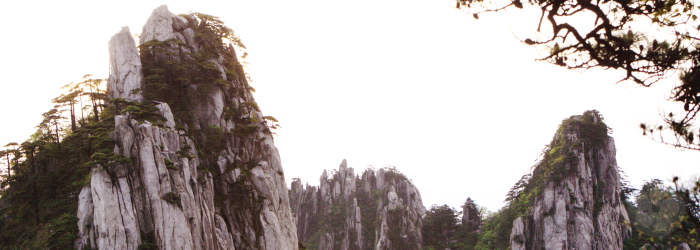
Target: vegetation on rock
point(39, 196)
point(38, 200)
point(578, 134)
point(327, 219)
point(659, 218)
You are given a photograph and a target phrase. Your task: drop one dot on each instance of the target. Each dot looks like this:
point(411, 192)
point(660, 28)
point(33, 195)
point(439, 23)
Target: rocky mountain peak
point(572, 198)
point(201, 169)
point(380, 210)
point(159, 25)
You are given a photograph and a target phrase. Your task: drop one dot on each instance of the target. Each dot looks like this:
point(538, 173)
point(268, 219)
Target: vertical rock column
point(167, 196)
point(579, 206)
point(381, 210)
point(124, 67)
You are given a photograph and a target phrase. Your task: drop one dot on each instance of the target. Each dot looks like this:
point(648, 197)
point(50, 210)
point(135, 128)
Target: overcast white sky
point(458, 105)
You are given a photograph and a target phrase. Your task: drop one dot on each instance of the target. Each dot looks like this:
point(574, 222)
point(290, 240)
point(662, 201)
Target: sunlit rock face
point(170, 195)
point(125, 78)
point(380, 210)
point(578, 204)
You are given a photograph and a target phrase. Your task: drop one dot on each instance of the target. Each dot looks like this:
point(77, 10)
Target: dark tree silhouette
point(68, 100)
point(439, 226)
point(649, 40)
point(14, 152)
point(52, 118)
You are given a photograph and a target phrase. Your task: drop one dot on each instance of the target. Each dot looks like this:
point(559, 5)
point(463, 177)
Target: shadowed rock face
point(380, 210)
point(582, 208)
point(171, 195)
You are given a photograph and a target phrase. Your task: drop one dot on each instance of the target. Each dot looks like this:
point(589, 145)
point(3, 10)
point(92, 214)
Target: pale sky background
point(457, 104)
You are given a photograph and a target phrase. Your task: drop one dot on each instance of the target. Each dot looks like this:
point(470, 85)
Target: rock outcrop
point(572, 199)
point(203, 178)
point(125, 77)
point(380, 210)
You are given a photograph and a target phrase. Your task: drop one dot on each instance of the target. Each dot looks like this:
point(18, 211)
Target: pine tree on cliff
point(440, 226)
point(46, 172)
point(51, 119)
point(68, 100)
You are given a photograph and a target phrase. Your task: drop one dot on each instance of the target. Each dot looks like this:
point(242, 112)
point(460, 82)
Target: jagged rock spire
point(349, 212)
point(575, 199)
point(169, 195)
point(125, 77)
point(159, 25)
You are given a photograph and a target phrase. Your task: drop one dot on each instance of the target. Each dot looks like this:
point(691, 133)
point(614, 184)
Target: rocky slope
point(380, 210)
point(572, 198)
point(209, 175)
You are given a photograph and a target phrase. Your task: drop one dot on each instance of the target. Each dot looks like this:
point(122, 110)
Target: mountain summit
point(571, 200)
point(200, 168)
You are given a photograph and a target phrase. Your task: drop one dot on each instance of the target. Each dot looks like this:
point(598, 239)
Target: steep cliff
point(199, 168)
point(380, 210)
point(572, 200)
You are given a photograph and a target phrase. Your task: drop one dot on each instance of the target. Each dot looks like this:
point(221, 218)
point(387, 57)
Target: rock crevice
point(380, 210)
point(576, 192)
point(174, 191)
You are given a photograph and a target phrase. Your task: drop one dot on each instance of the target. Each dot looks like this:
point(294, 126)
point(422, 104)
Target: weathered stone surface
point(345, 200)
point(179, 23)
point(582, 210)
point(85, 217)
point(189, 38)
point(517, 235)
point(124, 67)
point(168, 195)
point(159, 25)
point(165, 111)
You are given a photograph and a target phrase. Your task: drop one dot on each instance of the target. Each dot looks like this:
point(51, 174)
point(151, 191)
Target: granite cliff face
point(380, 210)
point(208, 176)
point(572, 198)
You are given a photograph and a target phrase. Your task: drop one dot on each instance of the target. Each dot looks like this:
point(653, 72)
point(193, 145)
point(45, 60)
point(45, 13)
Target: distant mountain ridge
point(380, 210)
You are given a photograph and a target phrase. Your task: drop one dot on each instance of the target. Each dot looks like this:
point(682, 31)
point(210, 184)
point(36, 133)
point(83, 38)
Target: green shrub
point(173, 198)
point(169, 164)
point(148, 246)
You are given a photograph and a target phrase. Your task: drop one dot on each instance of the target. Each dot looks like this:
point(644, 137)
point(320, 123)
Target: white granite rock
point(582, 210)
point(340, 191)
point(164, 198)
point(125, 77)
point(517, 235)
point(85, 220)
point(165, 111)
point(159, 26)
point(114, 219)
